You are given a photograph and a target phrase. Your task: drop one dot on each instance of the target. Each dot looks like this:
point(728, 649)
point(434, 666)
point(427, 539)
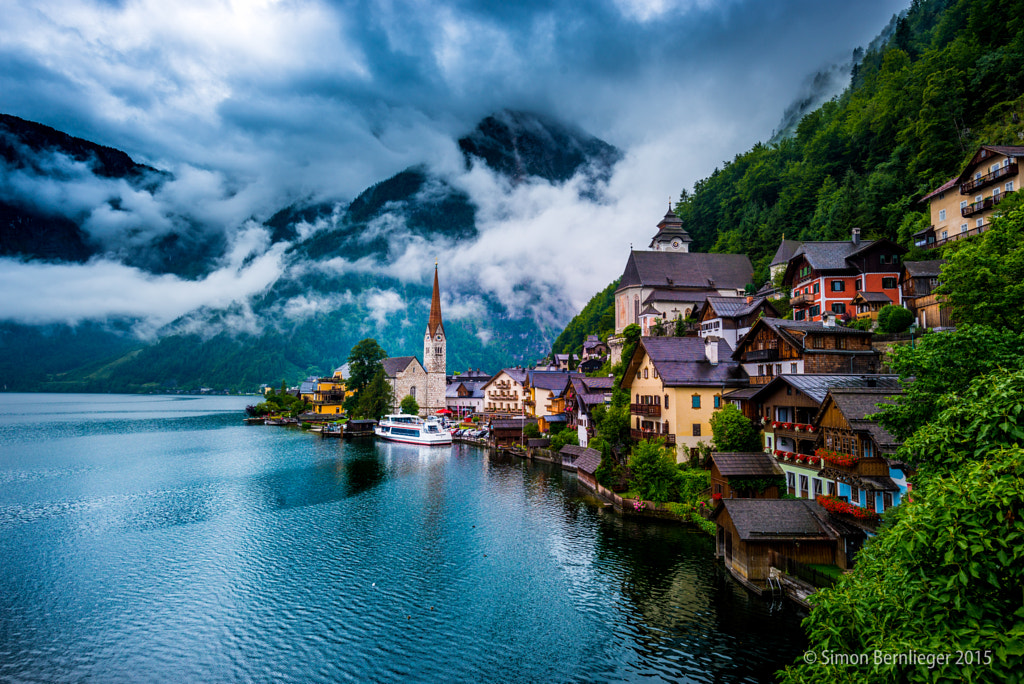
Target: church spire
point(435, 308)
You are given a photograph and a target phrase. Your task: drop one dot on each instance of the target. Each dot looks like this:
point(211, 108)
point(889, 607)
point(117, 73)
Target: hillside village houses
point(963, 206)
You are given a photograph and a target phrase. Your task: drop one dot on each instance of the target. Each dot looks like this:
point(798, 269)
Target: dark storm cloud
point(253, 104)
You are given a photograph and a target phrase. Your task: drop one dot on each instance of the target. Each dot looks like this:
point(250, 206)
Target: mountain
point(940, 80)
point(344, 270)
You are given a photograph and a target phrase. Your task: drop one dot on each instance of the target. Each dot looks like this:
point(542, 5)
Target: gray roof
point(554, 381)
point(343, 369)
point(680, 361)
point(676, 296)
point(512, 423)
point(879, 297)
point(857, 403)
point(396, 364)
point(736, 307)
point(592, 391)
point(308, 385)
point(785, 328)
point(942, 188)
point(517, 374)
point(816, 386)
point(830, 255)
point(584, 459)
point(785, 251)
point(767, 519)
point(929, 269)
point(739, 463)
point(538, 442)
point(475, 389)
point(686, 270)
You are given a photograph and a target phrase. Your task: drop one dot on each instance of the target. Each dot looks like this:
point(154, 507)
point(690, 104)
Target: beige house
point(963, 206)
point(675, 384)
point(504, 394)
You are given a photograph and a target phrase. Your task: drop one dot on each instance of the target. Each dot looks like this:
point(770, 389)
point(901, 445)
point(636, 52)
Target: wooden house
point(868, 304)
point(857, 453)
point(750, 531)
point(730, 318)
point(506, 432)
point(581, 398)
point(776, 347)
point(504, 394)
point(584, 461)
point(918, 281)
point(739, 475)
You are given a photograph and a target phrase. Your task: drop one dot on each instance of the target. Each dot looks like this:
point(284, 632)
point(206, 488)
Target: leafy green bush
point(894, 319)
point(733, 431)
point(531, 431)
point(409, 405)
point(654, 473)
point(565, 436)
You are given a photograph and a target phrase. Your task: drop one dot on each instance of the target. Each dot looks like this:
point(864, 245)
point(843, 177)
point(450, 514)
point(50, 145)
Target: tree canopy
point(733, 431)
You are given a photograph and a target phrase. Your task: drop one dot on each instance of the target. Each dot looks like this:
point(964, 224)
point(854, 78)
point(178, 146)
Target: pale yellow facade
point(504, 394)
point(684, 413)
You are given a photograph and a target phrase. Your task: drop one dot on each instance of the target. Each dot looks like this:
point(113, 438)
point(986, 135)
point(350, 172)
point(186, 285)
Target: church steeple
point(434, 322)
point(671, 235)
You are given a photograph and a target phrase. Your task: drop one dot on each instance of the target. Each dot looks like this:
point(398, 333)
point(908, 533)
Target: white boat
point(401, 427)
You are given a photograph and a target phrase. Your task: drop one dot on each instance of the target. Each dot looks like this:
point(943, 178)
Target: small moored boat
point(400, 427)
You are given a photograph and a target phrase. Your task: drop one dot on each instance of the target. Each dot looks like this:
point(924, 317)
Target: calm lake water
point(159, 539)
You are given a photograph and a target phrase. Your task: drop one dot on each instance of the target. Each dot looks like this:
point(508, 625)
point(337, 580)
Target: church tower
point(671, 236)
point(435, 355)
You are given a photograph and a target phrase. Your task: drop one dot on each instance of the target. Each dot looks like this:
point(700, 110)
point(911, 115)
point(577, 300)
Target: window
point(816, 485)
point(888, 283)
point(883, 258)
point(798, 315)
point(645, 373)
point(791, 480)
point(803, 486)
point(831, 488)
point(963, 205)
point(854, 495)
point(778, 369)
point(887, 500)
point(856, 285)
point(943, 235)
point(963, 227)
point(817, 342)
point(838, 286)
point(792, 368)
point(817, 288)
point(412, 391)
point(995, 192)
point(666, 401)
point(760, 369)
point(1009, 187)
point(942, 217)
point(838, 308)
point(695, 401)
point(840, 342)
point(978, 198)
point(814, 311)
point(718, 401)
point(979, 222)
point(696, 429)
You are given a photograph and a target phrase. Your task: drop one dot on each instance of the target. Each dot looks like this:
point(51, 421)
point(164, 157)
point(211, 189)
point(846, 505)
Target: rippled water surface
point(159, 539)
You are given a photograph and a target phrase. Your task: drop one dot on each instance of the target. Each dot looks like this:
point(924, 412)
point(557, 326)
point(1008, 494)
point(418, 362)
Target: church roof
point(435, 309)
point(671, 227)
point(396, 364)
point(686, 270)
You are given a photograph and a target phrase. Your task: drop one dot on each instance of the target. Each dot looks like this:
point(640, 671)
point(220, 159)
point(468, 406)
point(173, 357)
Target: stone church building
point(425, 382)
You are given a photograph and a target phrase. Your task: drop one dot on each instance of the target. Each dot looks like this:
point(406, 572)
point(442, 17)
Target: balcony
point(983, 205)
point(973, 184)
point(958, 235)
point(645, 410)
point(763, 354)
point(801, 299)
point(670, 439)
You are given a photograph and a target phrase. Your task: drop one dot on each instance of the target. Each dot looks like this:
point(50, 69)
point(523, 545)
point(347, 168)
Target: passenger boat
point(400, 427)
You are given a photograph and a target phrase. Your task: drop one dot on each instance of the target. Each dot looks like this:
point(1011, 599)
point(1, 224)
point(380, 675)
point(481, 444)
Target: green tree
point(531, 431)
point(944, 363)
point(653, 472)
point(894, 319)
point(631, 335)
point(658, 329)
point(363, 362)
point(409, 405)
point(983, 279)
point(944, 574)
point(733, 431)
point(565, 436)
point(377, 397)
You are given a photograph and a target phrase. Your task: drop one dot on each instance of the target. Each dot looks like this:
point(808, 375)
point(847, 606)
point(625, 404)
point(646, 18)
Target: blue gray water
point(157, 538)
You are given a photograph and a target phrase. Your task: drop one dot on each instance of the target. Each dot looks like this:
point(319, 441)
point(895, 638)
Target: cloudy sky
point(252, 104)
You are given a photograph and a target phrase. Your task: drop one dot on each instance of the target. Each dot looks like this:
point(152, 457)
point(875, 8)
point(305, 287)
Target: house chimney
point(856, 235)
point(711, 349)
point(828, 320)
point(750, 299)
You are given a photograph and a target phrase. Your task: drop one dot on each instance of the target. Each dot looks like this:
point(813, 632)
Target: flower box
point(837, 506)
point(787, 426)
point(776, 423)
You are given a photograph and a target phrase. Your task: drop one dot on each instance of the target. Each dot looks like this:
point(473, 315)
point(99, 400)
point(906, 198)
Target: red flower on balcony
point(717, 496)
point(787, 426)
point(838, 506)
point(837, 458)
point(814, 460)
point(776, 423)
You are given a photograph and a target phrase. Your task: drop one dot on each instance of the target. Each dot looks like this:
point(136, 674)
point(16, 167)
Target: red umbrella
point(444, 412)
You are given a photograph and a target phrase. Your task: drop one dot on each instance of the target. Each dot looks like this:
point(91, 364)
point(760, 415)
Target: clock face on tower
point(675, 243)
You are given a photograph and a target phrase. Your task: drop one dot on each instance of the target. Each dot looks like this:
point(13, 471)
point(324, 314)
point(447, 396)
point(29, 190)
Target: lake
point(158, 538)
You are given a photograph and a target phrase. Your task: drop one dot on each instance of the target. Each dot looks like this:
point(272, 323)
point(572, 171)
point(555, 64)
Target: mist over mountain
point(298, 288)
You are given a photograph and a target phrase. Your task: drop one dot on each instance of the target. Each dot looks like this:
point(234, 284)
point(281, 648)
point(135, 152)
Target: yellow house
point(329, 395)
point(545, 392)
point(675, 384)
point(963, 206)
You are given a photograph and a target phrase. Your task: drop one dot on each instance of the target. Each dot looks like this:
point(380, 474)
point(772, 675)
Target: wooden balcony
point(763, 354)
point(984, 205)
point(670, 439)
point(645, 410)
point(954, 236)
point(969, 186)
point(801, 299)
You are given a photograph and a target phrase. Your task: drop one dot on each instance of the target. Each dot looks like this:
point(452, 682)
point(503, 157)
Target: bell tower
point(435, 354)
point(671, 236)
